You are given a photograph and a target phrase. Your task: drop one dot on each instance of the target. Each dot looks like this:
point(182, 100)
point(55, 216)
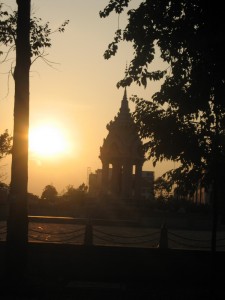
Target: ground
point(109, 270)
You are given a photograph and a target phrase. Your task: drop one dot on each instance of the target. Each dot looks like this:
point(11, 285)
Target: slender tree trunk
point(215, 216)
point(215, 190)
point(17, 227)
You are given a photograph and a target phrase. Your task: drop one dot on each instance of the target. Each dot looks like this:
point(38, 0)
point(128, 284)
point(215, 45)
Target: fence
point(91, 235)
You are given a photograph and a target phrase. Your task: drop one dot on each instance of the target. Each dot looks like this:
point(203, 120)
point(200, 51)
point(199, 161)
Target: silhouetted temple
point(122, 156)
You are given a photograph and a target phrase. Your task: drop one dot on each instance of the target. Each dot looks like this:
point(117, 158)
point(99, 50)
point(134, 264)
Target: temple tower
point(121, 153)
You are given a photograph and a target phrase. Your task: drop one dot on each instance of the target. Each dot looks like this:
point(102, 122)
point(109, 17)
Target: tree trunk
point(17, 227)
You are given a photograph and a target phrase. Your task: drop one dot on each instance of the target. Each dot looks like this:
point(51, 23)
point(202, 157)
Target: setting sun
point(47, 141)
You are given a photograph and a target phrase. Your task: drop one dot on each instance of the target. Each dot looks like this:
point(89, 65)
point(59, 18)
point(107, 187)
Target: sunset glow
point(48, 141)
point(71, 102)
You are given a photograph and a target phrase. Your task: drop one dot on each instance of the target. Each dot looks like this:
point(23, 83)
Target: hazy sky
point(79, 97)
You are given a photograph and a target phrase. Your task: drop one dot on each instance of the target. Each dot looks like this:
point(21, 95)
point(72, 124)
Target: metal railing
point(90, 235)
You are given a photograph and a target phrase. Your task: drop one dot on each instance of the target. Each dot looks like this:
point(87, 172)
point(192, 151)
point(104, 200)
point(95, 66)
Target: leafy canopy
point(185, 120)
point(5, 144)
point(40, 34)
point(49, 193)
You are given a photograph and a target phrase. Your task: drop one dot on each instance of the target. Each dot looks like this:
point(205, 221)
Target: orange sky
point(79, 96)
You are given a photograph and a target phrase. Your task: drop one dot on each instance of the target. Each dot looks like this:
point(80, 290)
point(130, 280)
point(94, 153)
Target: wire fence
point(108, 235)
point(49, 239)
point(58, 234)
point(181, 241)
point(103, 237)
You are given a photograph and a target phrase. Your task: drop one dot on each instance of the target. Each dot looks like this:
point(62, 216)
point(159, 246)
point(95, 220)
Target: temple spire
point(124, 104)
point(125, 93)
point(122, 153)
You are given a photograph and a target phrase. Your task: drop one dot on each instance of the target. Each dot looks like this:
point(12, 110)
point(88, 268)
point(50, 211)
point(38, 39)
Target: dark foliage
point(5, 144)
point(49, 193)
point(40, 33)
point(185, 120)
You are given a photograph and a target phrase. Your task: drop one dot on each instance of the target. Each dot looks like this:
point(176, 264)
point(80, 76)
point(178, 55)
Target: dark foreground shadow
point(57, 271)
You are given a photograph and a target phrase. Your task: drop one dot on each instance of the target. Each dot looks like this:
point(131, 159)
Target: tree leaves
point(5, 144)
point(112, 48)
point(185, 120)
point(49, 193)
point(117, 5)
point(40, 32)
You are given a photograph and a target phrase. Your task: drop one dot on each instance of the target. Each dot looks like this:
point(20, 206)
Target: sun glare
point(47, 141)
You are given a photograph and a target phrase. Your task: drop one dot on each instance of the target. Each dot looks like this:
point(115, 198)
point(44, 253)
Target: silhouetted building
point(122, 150)
point(95, 183)
point(122, 158)
point(147, 184)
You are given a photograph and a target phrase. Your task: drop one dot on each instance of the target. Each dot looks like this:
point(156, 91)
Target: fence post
point(88, 237)
point(163, 242)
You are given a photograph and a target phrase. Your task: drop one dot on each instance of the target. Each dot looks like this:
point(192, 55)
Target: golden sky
point(77, 98)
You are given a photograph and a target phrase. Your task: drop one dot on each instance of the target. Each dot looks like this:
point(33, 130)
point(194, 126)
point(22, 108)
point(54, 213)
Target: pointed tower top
point(124, 104)
point(123, 118)
point(125, 93)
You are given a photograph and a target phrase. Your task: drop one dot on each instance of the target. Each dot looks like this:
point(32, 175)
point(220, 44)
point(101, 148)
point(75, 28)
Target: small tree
point(5, 147)
point(49, 193)
point(83, 188)
point(72, 193)
point(5, 144)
